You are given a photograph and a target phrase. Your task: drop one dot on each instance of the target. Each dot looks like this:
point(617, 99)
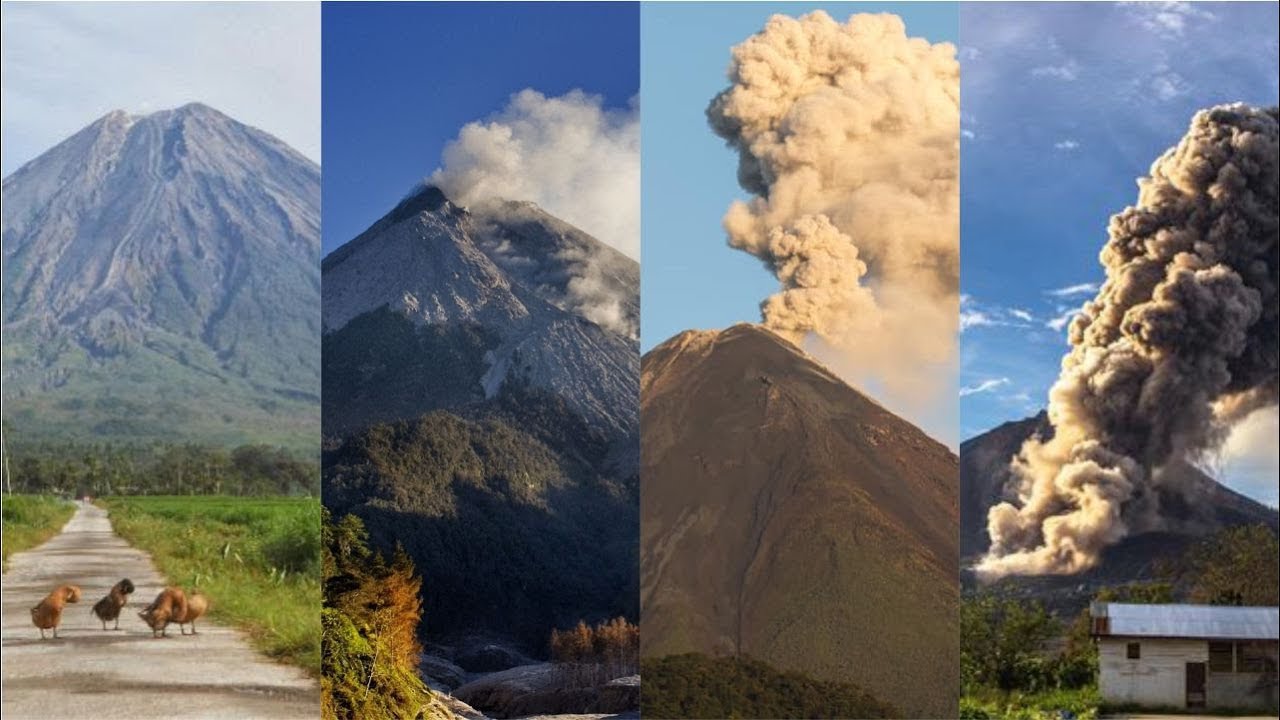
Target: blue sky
point(1063, 107)
point(691, 278)
point(400, 80)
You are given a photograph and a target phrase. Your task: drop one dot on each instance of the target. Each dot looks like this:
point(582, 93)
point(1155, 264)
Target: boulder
point(487, 657)
point(619, 695)
point(533, 690)
point(442, 672)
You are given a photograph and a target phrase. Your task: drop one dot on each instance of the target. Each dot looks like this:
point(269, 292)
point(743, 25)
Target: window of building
point(1220, 657)
point(1134, 651)
point(1251, 657)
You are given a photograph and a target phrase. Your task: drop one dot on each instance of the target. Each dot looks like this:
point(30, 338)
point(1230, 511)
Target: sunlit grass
point(257, 559)
point(31, 519)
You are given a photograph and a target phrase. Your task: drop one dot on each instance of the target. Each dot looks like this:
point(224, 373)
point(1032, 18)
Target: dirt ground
point(125, 673)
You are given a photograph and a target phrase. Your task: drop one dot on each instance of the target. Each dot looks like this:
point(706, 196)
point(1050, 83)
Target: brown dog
point(168, 606)
point(109, 607)
point(48, 614)
point(197, 605)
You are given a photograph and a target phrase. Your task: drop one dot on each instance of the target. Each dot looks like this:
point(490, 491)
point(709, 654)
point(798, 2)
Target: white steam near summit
point(570, 155)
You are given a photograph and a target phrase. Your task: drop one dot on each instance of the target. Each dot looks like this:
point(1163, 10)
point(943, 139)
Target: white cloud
point(1168, 19)
point(984, 386)
point(974, 318)
point(570, 155)
point(967, 134)
point(1168, 85)
point(1078, 290)
point(67, 64)
point(1067, 144)
point(974, 314)
point(1058, 322)
point(1066, 71)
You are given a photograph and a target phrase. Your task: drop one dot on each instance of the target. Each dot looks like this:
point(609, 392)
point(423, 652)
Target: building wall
point(1236, 690)
point(1157, 679)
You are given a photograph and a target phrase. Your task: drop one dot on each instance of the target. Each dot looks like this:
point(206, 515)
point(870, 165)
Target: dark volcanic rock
point(487, 657)
point(542, 689)
point(441, 670)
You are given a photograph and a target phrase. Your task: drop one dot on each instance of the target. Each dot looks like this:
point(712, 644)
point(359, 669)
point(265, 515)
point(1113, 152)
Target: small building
point(1187, 656)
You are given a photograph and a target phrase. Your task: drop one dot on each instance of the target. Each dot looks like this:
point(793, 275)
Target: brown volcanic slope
point(788, 517)
point(1205, 507)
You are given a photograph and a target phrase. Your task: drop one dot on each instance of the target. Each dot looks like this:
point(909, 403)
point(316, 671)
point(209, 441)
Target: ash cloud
point(570, 155)
point(575, 159)
point(848, 135)
point(593, 281)
point(1179, 345)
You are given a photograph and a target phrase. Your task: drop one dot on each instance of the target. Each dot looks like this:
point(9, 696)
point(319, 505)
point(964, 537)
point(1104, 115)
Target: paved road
point(88, 673)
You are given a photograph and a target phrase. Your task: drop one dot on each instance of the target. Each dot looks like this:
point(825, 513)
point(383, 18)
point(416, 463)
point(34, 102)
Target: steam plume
point(568, 154)
point(848, 134)
point(1180, 344)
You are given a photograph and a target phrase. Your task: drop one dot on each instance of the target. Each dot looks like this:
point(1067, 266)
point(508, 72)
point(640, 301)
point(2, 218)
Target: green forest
point(101, 469)
point(699, 686)
point(512, 497)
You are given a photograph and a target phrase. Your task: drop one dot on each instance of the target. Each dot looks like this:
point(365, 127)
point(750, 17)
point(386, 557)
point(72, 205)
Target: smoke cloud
point(1179, 345)
point(568, 154)
point(848, 136)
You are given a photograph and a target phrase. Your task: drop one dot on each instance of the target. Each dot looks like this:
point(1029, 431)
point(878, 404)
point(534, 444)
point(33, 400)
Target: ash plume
point(1179, 345)
point(848, 136)
point(570, 155)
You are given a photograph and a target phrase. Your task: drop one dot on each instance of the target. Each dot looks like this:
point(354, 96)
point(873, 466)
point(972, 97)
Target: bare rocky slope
point(435, 307)
point(161, 282)
point(480, 409)
point(787, 517)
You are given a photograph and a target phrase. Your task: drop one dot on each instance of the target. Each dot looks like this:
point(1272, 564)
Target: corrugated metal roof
point(1189, 621)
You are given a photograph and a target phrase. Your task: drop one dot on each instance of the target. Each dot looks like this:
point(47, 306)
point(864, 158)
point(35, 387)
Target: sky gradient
point(401, 79)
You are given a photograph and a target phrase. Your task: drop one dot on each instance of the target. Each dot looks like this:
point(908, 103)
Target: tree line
point(591, 655)
point(73, 469)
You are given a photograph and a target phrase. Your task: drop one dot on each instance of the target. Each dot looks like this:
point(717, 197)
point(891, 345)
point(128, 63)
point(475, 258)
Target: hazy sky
point(1063, 107)
point(67, 64)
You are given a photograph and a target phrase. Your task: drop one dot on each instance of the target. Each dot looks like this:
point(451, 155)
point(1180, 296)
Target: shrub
point(293, 545)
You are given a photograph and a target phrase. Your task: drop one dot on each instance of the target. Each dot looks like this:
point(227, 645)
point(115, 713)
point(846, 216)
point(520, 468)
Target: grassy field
point(31, 519)
point(1046, 705)
point(258, 560)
